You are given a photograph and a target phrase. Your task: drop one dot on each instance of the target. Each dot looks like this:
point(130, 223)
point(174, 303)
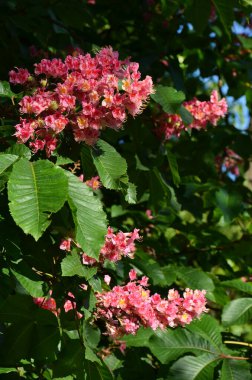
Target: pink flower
point(87, 260)
point(47, 303)
point(65, 245)
point(20, 76)
point(132, 275)
point(118, 245)
point(94, 183)
point(149, 214)
point(107, 279)
point(126, 308)
point(83, 93)
point(168, 125)
point(70, 304)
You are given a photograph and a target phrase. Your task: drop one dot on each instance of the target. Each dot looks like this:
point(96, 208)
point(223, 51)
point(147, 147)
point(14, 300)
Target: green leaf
point(174, 167)
point(237, 312)
point(246, 41)
point(91, 335)
point(89, 217)
point(235, 370)
point(63, 161)
point(35, 189)
point(168, 345)
point(141, 339)
point(34, 288)
point(72, 266)
point(160, 276)
point(195, 278)
point(6, 160)
point(208, 328)
point(19, 150)
point(191, 368)
point(7, 370)
point(94, 371)
point(230, 204)
point(5, 90)
point(131, 193)
point(186, 116)
point(111, 166)
point(225, 10)
point(169, 98)
point(245, 287)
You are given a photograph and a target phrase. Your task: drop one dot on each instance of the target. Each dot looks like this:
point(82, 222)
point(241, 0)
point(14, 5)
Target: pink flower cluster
point(49, 303)
point(126, 308)
point(82, 93)
point(168, 125)
point(116, 246)
point(228, 162)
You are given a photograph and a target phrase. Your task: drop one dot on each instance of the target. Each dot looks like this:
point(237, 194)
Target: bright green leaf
point(89, 217)
point(35, 189)
point(71, 266)
point(237, 312)
point(235, 370)
point(169, 98)
point(168, 345)
point(191, 368)
point(34, 288)
point(6, 160)
point(111, 166)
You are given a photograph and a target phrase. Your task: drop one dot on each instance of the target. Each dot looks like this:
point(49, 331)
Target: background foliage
point(201, 233)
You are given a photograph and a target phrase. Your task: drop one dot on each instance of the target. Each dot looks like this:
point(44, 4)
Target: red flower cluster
point(49, 303)
point(228, 162)
point(115, 247)
point(126, 308)
point(82, 93)
point(169, 125)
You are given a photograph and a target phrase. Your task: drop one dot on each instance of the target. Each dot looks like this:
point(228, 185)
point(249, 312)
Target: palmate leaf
point(5, 90)
point(111, 166)
point(170, 344)
point(6, 160)
point(194, 368)
point(235, 370)
point(89, 217)
point(72, 266)
point(237, 312)
point(245, 287)
point(195, 278)
point(208, 328)
point(169, 98)
point(35, 189)
point(34, 288)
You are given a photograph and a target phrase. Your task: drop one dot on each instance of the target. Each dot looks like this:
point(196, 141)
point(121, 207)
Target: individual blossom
point(65, 245)
point(47, 303)
point(203, 112)
point(70, 304)
point(94, 183)
point(81, 94)
point(125, 309)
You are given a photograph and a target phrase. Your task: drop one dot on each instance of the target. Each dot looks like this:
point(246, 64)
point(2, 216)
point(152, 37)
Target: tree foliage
point(186, 188)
